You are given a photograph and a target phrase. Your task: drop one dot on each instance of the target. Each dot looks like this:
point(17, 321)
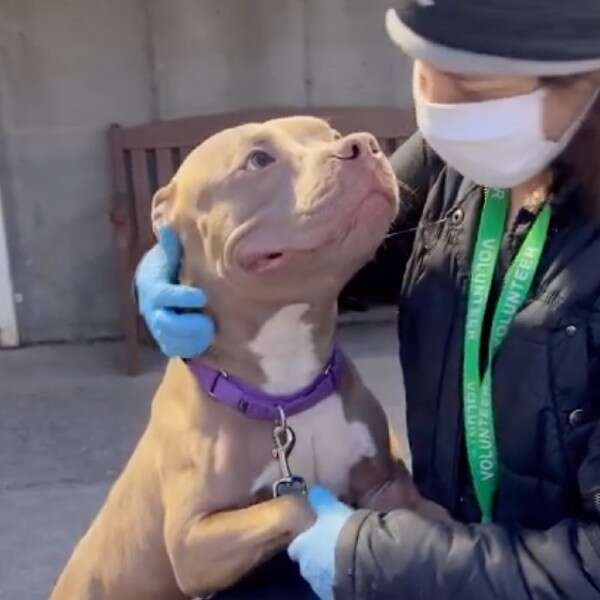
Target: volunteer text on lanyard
point(477, 389)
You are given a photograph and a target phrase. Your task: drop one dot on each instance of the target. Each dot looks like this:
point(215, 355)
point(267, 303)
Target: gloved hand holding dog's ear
point(177, 334)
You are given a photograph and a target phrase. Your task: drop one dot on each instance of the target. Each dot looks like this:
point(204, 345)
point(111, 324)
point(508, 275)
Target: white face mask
point(496, 143)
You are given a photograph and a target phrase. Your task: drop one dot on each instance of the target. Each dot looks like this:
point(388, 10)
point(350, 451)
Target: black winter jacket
point(545, 540)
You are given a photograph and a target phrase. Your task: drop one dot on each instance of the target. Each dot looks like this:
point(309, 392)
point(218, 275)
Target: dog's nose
point(357, 145)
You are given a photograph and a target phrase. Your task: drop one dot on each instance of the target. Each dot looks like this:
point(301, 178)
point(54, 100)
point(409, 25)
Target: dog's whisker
point(413, 229)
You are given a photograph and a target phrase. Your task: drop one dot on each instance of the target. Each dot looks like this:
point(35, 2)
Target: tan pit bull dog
point(274, 218)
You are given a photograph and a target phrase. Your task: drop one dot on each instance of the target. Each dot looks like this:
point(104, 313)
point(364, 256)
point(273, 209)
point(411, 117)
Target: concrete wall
point(68, 68)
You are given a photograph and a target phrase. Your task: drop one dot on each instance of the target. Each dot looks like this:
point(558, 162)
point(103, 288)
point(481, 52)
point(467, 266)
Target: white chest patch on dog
point(327, 447)
point(286, 352)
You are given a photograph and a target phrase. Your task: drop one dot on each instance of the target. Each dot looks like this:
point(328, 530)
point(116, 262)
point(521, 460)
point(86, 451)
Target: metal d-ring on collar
point(226, 389)
point(220, 373)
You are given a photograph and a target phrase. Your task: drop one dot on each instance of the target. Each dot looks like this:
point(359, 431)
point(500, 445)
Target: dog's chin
point(355, 235)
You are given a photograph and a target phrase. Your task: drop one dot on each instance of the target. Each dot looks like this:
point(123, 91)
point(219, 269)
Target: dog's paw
point(384, 486)
point(296, 514)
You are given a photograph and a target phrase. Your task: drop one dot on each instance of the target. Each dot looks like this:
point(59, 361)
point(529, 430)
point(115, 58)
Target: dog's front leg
point(384, 485)
point(210, 552)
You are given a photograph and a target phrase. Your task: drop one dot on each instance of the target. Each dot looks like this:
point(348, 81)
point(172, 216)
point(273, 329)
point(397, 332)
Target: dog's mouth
point(276, 261)
point(261, 262)
point(329, 236)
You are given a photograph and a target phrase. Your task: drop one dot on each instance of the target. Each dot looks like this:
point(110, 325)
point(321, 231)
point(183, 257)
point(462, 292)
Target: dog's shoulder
point(359, 402)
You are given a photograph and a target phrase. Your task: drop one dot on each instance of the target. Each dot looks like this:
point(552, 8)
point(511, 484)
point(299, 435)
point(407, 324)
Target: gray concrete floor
point(69, 419)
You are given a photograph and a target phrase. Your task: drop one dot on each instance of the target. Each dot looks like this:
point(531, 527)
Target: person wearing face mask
point(497, 250)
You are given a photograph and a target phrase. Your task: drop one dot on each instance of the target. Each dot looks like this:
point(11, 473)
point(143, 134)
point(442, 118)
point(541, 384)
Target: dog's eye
point(337, 135)
point(259, 159)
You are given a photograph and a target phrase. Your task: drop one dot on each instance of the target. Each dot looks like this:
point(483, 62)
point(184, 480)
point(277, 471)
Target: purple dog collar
point(255, 404)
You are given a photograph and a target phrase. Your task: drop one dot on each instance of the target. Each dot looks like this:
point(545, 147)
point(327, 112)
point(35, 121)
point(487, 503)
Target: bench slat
point(164, 166)
point(142, 196)
point(381, 121)
point(185, 150)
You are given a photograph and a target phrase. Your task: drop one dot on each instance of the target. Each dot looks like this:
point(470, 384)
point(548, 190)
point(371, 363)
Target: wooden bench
point(145, 157)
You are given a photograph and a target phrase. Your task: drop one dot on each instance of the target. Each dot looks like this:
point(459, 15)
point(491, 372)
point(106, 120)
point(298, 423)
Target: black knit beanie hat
point(504, 37)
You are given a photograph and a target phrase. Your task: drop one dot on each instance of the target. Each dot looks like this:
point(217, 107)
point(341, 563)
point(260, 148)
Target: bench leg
point(130, 317)
point(129, 312)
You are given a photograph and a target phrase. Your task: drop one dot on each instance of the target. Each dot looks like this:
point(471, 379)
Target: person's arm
point(415, 166)
point(365, 555)
point(402, 555)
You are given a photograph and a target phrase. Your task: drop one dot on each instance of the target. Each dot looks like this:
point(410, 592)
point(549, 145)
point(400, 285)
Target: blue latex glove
point(177, 334)
point(314, 550)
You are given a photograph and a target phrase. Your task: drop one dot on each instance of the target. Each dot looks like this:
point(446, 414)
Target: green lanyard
point(477, 390)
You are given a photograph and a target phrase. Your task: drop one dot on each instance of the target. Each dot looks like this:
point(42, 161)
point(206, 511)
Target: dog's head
point(286, 210)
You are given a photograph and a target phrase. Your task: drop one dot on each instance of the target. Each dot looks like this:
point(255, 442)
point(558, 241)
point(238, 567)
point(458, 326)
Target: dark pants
point(278, 579)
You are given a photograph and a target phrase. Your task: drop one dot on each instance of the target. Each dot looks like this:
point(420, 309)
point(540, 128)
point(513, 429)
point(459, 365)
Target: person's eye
point(258, 159)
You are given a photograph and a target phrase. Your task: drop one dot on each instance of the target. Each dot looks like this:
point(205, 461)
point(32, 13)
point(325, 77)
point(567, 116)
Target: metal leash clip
point(285, 438)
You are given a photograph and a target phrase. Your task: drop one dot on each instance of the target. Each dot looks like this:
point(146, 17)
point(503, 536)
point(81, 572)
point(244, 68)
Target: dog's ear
point(163, 203)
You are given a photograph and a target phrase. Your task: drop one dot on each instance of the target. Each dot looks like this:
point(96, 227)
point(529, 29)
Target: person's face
point(453, 88)
point(566, 97)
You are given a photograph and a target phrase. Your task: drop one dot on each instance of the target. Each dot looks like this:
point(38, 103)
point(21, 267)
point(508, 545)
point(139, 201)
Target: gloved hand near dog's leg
point(177, 334)
point(314, 550)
